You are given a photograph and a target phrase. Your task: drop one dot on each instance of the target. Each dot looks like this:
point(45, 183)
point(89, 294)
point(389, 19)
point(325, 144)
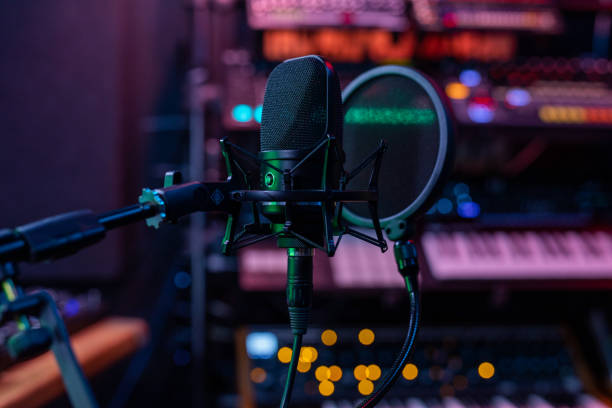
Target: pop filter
point(405, 108)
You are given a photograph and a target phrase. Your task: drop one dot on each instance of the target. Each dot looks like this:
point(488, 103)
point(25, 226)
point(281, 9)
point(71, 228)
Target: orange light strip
point(575, 114)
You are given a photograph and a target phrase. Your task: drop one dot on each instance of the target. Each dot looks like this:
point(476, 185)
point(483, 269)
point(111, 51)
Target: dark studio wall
point(76, 80)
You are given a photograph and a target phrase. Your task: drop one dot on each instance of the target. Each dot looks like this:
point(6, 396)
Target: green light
point(389, 116)
point(242, 113)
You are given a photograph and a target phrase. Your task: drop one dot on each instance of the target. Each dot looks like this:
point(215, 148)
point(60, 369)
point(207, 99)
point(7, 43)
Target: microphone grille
point(295, 111)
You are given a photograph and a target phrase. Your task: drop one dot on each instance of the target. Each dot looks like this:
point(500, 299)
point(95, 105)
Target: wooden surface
point(38, 381)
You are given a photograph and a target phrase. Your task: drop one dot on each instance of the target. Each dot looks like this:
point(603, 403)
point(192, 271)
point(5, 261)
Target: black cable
point(402, 358)
point(295, 356)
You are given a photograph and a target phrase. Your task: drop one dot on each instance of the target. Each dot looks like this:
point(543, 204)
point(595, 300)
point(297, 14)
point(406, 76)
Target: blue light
point(182, 280)
point(518, 97)
point(445, 206)
point(261, 344)
point(461, 188)
point(468, 209)
point(257, 113)
point(242, 113)
point(470, 78)
point(72, 307)
point(480, 113)
point(463, 198)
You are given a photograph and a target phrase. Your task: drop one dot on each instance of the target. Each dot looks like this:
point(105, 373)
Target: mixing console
point(453, 367)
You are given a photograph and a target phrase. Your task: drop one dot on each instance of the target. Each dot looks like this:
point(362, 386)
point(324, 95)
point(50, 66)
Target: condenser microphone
point(302, 109)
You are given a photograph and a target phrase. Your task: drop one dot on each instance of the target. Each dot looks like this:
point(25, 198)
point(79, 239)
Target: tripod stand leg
point(77, 387)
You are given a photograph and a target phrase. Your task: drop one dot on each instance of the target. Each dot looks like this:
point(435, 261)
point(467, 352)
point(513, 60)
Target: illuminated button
point(326, 388)
point(373, 372)
point(360, 372)
point(365, 387)
point(410, 372)
point(329, 337)
point(322, 373)
point(486, 370)
point(335, 373)
point(366, 337)
point(284, 355)
point(456, 90)
point(303, 366)
point(258, 375)
point(242, 113)
point(309, 354)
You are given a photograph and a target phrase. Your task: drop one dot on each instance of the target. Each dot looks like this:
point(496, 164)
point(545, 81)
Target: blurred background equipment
point(99, 98)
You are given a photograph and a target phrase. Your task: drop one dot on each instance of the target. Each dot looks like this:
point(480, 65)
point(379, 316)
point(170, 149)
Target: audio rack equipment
point(453, 366)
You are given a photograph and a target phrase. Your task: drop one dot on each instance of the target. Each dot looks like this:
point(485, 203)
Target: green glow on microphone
point(389, 116)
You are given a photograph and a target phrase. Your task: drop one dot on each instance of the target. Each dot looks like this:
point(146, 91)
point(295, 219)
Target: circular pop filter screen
point(403, 108)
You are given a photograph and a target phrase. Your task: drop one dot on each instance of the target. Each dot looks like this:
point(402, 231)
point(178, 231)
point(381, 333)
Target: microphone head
point(302, 104)
point(407, 110)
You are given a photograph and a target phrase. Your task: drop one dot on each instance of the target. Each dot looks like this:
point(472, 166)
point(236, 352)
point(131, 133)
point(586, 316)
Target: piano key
point(587, 401)
point(415, 403)
point(451, 402)
point(501, 402)
point(536, 401)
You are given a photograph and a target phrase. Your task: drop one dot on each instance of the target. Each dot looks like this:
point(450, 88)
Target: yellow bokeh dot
point(326, 388)
point(410, 372)
point(322, 373)
point(303, 366)
point(284, 355)
point(373, 372)
point(335, 373)
point(486, 370)
point(360, 372)
point(329, 337)
point(308, 354)
point(366, 337)
point(258, 375)
point(365, 387)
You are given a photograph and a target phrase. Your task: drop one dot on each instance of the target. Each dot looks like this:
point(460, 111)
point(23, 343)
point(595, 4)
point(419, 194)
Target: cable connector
point(299, 288)
point(406, 257)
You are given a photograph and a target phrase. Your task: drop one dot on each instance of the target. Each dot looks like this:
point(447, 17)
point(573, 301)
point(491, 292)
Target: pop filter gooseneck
point(403, 107)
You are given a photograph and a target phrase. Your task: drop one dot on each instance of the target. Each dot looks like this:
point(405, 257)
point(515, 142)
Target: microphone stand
point(66, 234)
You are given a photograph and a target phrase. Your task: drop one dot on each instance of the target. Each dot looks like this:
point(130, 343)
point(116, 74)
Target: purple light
point(468, 209)
point(518, 97)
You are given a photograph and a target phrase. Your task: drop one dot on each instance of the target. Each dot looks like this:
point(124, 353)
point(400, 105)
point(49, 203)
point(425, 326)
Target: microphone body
point(302, 108)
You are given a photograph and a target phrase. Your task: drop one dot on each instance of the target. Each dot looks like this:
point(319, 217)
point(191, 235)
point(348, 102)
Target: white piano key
point(415, 403)
point(536, 401)
point(587, 401)
point(452, 402)
point(501, 402)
